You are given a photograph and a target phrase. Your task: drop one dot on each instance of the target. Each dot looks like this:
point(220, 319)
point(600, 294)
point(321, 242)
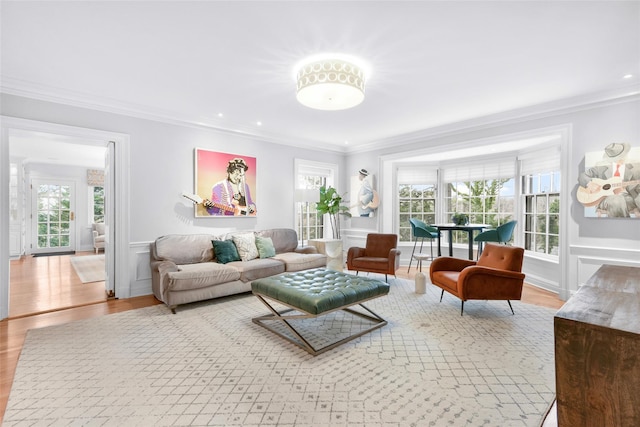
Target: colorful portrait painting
point(609, 186)
point(225, 184)
point(364, 197)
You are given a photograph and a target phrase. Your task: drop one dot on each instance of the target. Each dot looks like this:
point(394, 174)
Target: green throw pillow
point(225, 251)
point(265, 247)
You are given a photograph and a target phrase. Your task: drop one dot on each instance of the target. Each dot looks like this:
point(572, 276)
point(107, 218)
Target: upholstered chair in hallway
point(497, 275)
point(380, 255)
point(97, 230)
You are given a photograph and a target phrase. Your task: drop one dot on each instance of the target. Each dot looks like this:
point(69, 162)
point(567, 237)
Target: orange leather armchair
point(497, 275)
point(379, 256)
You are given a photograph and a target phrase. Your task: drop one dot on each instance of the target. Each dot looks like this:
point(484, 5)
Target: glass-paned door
point(53, 217)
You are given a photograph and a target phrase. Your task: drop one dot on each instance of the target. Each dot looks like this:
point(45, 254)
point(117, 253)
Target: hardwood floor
point(14, 330)
point(49, 283)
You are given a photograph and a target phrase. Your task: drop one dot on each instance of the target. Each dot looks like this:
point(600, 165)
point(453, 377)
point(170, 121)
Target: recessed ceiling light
point(346, 143)
point(220, 114)
point(259, 123)
point(627, 76)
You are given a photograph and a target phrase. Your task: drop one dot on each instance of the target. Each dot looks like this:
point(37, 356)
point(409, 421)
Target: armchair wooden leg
point(511, 307)
point(441, 295)
point(461, 308)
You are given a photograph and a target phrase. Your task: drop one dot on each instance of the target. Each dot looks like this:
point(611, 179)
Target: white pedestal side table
point(332, 248)
point(421, 279)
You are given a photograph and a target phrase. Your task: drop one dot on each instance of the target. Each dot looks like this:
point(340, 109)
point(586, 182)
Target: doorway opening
point(49, 221)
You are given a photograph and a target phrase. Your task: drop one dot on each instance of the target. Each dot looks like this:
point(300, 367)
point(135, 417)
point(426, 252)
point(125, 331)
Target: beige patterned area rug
point(210, 365)
point(90, 268)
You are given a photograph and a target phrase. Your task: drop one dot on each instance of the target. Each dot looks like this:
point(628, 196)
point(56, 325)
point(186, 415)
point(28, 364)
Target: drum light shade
point(330, 82)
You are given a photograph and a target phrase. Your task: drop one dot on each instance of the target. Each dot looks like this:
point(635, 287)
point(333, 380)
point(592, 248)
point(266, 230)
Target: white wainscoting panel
point(355, 237)
point(542, 273)
point(140, 270)
point(585, 260)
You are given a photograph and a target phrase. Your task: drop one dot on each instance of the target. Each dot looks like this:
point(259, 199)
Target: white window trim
point(330, 170)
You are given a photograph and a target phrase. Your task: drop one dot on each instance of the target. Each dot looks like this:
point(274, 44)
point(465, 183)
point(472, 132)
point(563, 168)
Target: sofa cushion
point(265, 247)
point(284, 239)
point(225, 251)
point(184, 248)
point(201, 275)
point(258, 268)
point(246, 245)
point(296, 261)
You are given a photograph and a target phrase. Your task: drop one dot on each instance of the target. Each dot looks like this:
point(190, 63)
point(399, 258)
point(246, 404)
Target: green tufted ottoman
point(313, 293)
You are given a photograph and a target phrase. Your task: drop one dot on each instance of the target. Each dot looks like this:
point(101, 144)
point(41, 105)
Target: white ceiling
point(40, 147)
point(433, 63)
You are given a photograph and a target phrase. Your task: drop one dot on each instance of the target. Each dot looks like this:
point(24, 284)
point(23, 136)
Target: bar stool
point(501, 234)
point(421, 230)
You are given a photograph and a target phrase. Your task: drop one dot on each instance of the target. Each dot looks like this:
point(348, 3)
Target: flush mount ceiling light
point(330, 81)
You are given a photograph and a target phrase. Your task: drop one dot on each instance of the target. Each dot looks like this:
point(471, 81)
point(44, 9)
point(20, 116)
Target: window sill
point(542, 257)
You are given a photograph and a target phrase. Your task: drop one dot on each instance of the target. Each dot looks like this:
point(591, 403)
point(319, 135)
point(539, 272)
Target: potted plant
point(330, 204)
point(460, 219)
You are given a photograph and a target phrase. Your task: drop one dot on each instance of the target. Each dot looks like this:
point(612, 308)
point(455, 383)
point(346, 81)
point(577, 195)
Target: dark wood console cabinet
point(597, 351)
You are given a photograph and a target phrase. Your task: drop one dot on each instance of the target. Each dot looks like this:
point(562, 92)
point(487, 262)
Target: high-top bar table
point(469, 228)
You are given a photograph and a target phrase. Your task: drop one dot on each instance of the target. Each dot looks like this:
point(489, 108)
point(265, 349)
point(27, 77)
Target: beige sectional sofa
point(185, 269)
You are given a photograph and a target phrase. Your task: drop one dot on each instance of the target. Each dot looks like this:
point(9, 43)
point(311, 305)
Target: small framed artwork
point(364, 197)
point(225, 185)
point(609, 186)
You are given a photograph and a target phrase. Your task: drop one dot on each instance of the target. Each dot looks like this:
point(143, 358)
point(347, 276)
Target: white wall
point(162, 167)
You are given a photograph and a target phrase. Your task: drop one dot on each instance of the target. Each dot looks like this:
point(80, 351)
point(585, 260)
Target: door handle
point(72, 216)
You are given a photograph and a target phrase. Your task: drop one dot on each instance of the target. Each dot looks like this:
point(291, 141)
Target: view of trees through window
point(97, 207)
point(487, 201)
point(416, 201)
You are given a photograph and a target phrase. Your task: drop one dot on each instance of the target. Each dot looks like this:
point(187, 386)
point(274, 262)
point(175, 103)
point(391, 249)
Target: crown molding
point(25, 89)
point(622, 94)
point(45, 93)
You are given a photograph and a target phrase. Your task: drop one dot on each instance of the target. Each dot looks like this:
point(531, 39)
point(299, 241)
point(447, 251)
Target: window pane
point(553, 245)
point(43, 229)
point(97, 202)
point(541, 243)
point(541, 204)
point(554, 224)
